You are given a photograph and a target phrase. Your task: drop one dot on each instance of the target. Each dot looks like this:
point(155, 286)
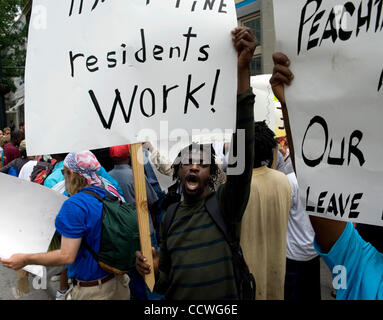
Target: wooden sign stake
point(142, 209)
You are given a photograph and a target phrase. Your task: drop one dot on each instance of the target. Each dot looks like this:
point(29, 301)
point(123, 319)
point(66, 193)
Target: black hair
point(17, 135)
point(264, 143)
point(104, 158)
point(59, 156)
point(194, 147)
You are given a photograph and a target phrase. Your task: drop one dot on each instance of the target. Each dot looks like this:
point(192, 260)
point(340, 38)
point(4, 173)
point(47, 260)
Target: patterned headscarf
point(85, 164)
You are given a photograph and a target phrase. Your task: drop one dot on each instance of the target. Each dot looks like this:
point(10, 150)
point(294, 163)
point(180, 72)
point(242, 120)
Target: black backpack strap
point(214, 211)
point(83, 242)
point(98, 197)
point(169, 217)
point(241, 271)
point(87, 247)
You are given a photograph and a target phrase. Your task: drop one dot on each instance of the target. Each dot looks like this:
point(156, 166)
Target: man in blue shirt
point(360, 265)
point(80, 217)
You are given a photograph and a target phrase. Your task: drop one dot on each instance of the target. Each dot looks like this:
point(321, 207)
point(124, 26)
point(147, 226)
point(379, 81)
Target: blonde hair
point(4, 140)
point(77, 182)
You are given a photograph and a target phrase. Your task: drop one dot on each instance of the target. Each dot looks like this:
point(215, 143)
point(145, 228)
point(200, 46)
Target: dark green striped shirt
point(195, 259)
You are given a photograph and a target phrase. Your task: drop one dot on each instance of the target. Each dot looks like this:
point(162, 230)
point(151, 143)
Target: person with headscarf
point(80, 218)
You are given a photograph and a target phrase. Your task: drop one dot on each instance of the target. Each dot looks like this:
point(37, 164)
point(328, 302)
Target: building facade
point(259, 17)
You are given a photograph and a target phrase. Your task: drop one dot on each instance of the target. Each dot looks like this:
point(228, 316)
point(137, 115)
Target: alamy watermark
point(340, 277)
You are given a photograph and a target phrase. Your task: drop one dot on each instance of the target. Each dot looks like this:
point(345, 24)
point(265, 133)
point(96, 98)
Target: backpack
point(13, 171)
point(245, 281)
point(119, 239)
point(42, 170)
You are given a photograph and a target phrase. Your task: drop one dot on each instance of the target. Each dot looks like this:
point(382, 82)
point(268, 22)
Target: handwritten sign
point(335, 104)
point(28, 212)
point(100, 72)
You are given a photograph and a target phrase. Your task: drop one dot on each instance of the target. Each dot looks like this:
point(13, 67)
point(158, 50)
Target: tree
point(13, 35)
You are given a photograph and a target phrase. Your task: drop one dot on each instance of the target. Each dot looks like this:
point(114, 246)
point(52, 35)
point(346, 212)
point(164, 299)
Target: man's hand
point(245, 43)
point(281, 75)
point(15, 262)
point(142, 267)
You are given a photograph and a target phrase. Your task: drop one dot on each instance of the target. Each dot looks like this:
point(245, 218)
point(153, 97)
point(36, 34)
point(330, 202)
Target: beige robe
point(263, 231)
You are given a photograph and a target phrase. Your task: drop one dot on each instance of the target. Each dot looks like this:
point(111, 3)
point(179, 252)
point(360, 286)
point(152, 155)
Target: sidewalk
point(326, 282)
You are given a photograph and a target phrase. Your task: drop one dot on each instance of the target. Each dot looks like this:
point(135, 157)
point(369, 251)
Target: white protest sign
point(335, 104)
point(28, 212)
point(264, 108)
point(99, 72)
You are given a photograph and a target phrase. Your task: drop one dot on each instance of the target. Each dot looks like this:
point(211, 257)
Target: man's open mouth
point(192, 182)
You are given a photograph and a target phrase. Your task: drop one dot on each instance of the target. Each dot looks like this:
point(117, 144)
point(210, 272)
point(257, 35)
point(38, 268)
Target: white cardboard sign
point(335, 104)
point(99, 72)
point(28, 212)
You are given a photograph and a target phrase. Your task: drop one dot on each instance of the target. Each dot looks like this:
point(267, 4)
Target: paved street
point(8, 285)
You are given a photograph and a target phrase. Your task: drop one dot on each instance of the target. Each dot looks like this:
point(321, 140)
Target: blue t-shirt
point(363, 265)
point(56, 175)
point(80, 217)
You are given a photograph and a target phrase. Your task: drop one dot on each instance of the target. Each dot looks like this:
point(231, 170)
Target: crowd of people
point(192, 259)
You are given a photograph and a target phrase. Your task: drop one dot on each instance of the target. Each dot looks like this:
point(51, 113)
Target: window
point(254, 23)
point(256, 66)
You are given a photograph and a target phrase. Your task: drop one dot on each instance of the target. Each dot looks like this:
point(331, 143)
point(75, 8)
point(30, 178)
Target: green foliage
point(13, 35)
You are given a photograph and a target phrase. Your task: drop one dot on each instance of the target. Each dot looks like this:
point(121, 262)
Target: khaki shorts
point(114, 289)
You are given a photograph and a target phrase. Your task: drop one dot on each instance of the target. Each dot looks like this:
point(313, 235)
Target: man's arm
point(65, 255)
point(234, 194)
point(327, 231)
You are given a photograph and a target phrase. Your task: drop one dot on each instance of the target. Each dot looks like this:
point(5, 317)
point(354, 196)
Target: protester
point(123, 174)
point(11, 150)
point(194, 261)
point(26, 170)
point(7, 131)
point(165, 167)
point(79, 218)
point(14, 167)
point(302, 280)
point(264, 224)
point(338, 242)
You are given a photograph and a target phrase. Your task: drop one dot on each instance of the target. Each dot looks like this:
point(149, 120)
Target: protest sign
point(98, 72)
point(28, 212)
point(335, 104)
point(266, 106)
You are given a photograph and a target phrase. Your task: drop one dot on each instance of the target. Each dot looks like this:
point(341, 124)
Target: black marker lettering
point(366, 19)
point(157, 50)
point(165, 97)
point(153, 99)
point(331, 32)
point(345, 35)
point(189, 94)
point(221, 6)
point(208, 3)
point(90, 62)
point(143, 49)
point(112, 61)
point(188, 36)
point(304, 21)
point(323, 123)
point(354, 205)
point(72, 58)
point(204, 52)
point(212, 100)
point(353, 149)
point(336, 161)
point(117, 100)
